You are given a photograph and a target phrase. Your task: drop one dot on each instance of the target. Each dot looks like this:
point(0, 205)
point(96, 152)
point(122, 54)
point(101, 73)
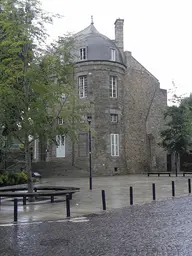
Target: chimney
point(119, 34)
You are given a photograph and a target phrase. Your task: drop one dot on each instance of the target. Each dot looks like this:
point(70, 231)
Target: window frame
point(82, 87)
point(114, 118)
point(83, 53)
point(113, 54)
point(114, 141)
point(113, 87)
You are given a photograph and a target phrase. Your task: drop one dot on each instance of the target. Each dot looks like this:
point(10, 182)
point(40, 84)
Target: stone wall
point(155, 124)
point(139, 105)
point(143, 106)
point(98, 93)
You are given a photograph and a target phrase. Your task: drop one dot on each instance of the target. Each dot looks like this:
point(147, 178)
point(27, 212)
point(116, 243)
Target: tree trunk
point(177, 163)
point(73, 153)
point(28, 164)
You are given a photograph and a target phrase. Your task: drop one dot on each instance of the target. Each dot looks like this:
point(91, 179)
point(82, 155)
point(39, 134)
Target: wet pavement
point(156, 229)
point(86, 202)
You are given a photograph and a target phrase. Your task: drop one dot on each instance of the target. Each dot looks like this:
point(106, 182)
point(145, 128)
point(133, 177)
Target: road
point(156, 229)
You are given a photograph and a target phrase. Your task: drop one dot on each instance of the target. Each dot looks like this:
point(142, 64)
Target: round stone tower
point(99, 74)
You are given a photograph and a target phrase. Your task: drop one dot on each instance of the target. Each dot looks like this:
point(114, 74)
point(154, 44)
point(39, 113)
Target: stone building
point(127, 108)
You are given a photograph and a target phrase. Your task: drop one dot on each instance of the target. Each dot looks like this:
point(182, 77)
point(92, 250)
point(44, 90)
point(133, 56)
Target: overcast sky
point(157, 32)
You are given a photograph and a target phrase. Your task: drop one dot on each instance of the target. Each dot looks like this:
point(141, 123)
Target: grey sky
point(157, 32)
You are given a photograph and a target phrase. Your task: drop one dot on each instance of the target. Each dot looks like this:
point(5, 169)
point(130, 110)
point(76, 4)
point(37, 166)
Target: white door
point(60, 150)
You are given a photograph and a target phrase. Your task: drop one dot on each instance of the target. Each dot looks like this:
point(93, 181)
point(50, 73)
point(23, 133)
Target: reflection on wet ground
point(86, 202)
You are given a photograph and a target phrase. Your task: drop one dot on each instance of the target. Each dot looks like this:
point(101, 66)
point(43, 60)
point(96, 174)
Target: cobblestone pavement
point(157, 229)
point(85, 201)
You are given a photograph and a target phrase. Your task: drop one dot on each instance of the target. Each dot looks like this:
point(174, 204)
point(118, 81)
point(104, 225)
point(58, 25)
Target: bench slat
point(33, 194)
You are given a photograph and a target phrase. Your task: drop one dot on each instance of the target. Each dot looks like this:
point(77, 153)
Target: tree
point(177, 137)
point(36, 82)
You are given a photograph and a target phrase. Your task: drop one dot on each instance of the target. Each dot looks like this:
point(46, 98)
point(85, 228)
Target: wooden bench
point(159, 173)
point(51, 191)
point(36, 194)
point(184, 173)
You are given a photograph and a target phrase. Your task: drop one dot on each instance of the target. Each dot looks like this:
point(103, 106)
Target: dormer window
point(83, 53)
point(113, 54)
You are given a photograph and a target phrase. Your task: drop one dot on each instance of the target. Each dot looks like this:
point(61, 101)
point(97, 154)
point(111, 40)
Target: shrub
point(13, 178)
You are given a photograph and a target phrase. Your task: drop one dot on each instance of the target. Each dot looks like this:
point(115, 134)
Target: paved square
point(86, 202)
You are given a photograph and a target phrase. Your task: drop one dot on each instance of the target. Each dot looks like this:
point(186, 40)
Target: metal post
point(90, 160)
point(68, 205)
point(5, 154)
point(15, 209)
point(131, 195)
point(70, 196)
point(103, 199)
point(173, 188)
point(154, 191)
point(24, 200)
point(52, 198)
point(189, 185)
point(176, 157)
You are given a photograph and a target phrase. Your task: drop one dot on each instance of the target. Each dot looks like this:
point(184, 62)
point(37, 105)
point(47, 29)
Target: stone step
point(58, 168)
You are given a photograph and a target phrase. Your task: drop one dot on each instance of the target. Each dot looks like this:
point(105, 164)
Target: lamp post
point(89, 117)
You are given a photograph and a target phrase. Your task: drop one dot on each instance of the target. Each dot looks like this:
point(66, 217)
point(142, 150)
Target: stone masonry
point(139, 105)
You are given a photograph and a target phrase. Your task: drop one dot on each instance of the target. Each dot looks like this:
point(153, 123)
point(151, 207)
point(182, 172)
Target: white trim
point(60, 149)
point(82, 86)
point(83, 53)
point(114, 144)
point(113, 54)
point(113, 87)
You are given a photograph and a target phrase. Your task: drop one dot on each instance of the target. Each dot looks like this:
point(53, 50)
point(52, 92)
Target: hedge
point(13, 178)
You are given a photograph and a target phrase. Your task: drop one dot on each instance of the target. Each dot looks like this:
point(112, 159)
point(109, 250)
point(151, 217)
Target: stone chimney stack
point(119, 34)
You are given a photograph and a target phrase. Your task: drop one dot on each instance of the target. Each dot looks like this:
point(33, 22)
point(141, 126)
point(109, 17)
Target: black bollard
point(154, 191)
point(173, 188)
point(35, 190)
point(15, 209)
point(52, 198)
point(24, 200)
point(103, 199)
point(68, 205)
point(131, 195)
point(189, 185)
point(70, 196)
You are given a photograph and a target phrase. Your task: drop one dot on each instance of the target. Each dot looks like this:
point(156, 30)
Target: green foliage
point(36, 82)
point(34, 78)
point(13, 178)
point(177, 137)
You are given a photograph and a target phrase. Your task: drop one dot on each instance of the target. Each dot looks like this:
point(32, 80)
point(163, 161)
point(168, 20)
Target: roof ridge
point(88, 30)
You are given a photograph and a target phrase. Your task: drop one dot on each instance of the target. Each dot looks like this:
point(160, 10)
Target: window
point(83, 53)
point(82, 87)
point(115, 144)
point(113, 55)
point(60, 121)
point(114, 118)
point(113, 87)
